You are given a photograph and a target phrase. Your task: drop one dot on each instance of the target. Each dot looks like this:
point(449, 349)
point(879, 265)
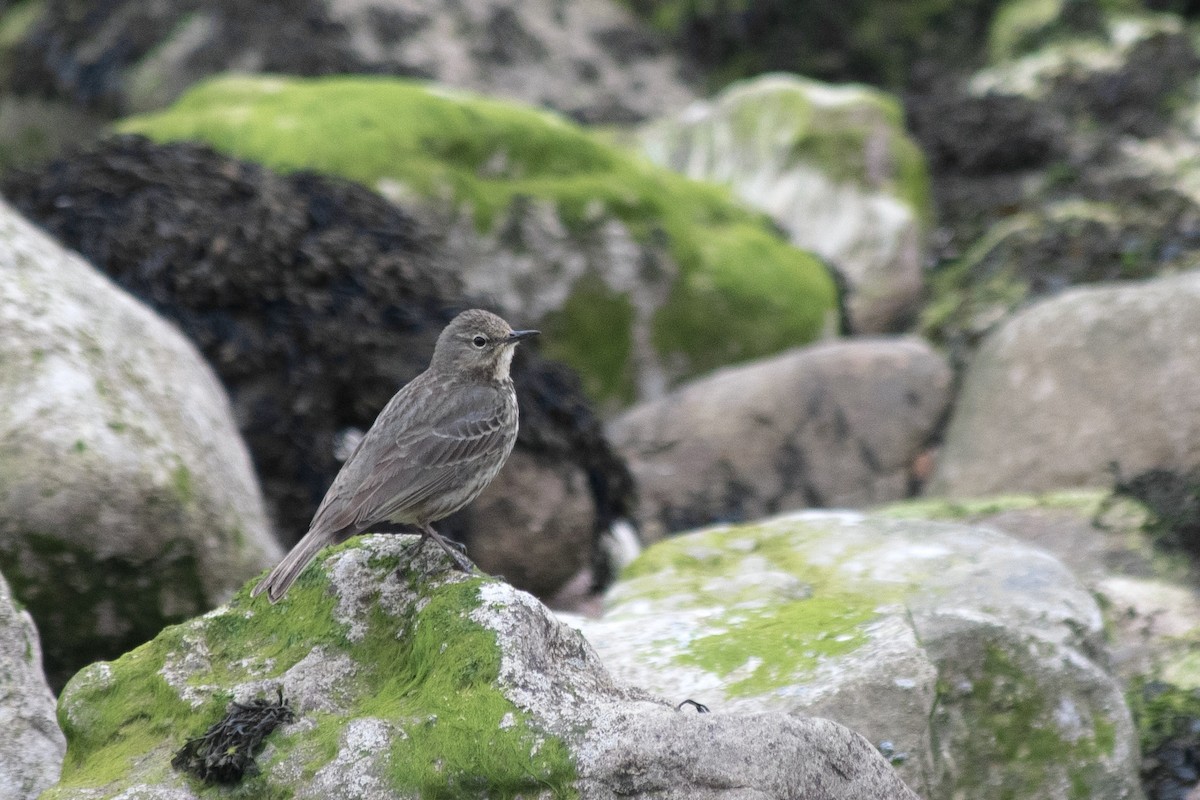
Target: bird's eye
point(479, 342)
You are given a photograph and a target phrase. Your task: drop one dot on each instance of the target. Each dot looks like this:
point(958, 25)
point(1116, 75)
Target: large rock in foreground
point(838, 424)
point(832, 165)
point(409, 685)
point(31, 749)
point(1095, 377)
point(127, 499)
point(977, 662)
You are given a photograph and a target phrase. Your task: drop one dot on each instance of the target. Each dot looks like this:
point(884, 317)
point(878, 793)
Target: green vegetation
point(742, 290)
point(91, 606)
point(431, 673)
point(771, 639)
point(1013, 723)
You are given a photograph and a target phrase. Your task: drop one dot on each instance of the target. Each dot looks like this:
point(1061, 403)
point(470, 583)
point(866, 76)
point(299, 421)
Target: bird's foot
point(456, 550)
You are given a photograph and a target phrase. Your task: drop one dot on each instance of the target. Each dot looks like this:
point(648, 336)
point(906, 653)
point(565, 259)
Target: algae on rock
point(537, 210)
point(977, 659)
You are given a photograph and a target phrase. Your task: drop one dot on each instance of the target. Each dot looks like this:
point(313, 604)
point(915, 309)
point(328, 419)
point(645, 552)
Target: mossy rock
point(839, 40)
point(727, 286)
point(408, 679)
point(1039, 253)
point(426, 673)
point(1023, 26)
point(908, 631)
point(832, 165)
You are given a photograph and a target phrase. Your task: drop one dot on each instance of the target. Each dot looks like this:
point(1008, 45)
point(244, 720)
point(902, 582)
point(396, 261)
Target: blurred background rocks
point(934, 255)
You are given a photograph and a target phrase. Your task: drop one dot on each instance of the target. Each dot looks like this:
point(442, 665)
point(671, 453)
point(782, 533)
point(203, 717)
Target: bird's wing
point(420, 444)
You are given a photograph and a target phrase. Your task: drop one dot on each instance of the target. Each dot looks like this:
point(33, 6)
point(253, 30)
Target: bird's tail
point(286, 571)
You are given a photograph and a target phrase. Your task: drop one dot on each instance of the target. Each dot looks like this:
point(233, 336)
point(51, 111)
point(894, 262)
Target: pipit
point(435, 446)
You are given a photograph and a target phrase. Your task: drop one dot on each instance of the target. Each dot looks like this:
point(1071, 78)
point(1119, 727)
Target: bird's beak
point(517, 336)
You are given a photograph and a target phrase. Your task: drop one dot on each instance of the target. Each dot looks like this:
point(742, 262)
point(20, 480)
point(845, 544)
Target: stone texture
point(32, 747)
point(836, 424)
point(422, 681)
point(127, 498)
point(587, 59)
point(1147, 592)
point(976, 662)
point(1073, 385)
point(832, 165)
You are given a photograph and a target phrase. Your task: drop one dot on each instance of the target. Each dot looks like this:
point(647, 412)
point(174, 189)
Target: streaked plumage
point(435, 446)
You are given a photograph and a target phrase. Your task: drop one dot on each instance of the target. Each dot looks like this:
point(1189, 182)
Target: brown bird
point(435, 446)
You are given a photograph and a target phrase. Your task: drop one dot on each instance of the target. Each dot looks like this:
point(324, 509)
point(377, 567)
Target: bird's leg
point(455, 550)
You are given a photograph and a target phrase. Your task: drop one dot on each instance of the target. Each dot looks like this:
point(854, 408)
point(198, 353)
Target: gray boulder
point(844, 423)
point(32, 747)
point(831, 164)
point(127, 498)
point(409, 680)
point(1094, 377)
point(1150, 605)
point(592, 60)
point(975, 661)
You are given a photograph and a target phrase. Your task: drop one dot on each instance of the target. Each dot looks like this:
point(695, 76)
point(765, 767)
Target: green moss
point(485, 155)
point(16, 22)
point(1014, 747)
point(783, 641)
point(595, 327)
point(1163, 712)
point(765, 641)
point(1088, 502)
point(181, 481)
point(1023, 26)
point(436, 680)
point(743, 304)
point(89, 607)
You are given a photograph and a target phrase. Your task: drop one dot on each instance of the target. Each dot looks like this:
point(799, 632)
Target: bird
point(433, 448)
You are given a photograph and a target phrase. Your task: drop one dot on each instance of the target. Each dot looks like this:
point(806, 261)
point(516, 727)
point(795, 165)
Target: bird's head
point(477, 342)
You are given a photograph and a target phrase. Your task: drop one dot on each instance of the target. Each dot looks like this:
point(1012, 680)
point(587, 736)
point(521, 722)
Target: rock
point(1093, 377)
point(975, 661)
point(1112, 546)
point(877, 43)
point(315, 299)
point(590, 60)
point(637, 277)
point(408, 683)
point(832, 165)
point(1039, 253)
point(31, 750)
point(127, 498)
point(837, 424)
point(1127, 554)
point(1065, 161)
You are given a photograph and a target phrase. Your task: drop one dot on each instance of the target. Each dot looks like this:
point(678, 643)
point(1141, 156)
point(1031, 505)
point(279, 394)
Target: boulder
point(637, 277)
point(409, 679)
point(832, 165)
point(1095, 377)
point(32, 747)
point(1067, 160)
point(975, 662)
point(591, 60)
point(1115, 547)
point(846, 423)
point(127, 498)
point(315, 299)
